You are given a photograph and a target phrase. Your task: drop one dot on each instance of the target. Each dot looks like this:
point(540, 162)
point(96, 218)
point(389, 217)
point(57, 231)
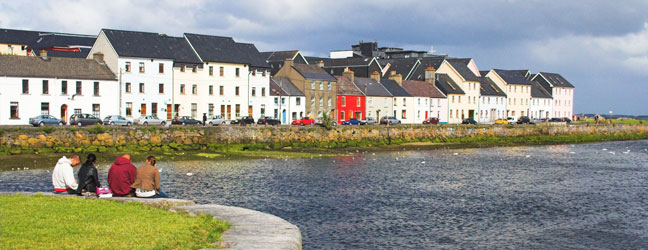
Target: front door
point(64, 112)
point(250, 111)
point(169, 110)
point(471, 114)
point(143, 109)
point(176, 110)
point(283, 116)
point(229, 112)
point(222, 113)
point(426, 115)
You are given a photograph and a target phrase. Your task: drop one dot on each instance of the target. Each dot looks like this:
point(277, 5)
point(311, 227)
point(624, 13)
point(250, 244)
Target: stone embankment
point(249, 229)
point(155, 139)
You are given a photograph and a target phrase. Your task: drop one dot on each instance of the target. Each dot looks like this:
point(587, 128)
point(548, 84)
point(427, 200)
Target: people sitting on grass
point(147, 180)
point(63, 175)
point(121, 176)
point(88, 177)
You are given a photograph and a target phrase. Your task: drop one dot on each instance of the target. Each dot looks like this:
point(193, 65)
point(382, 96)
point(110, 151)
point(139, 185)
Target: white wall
point(439, 109)
point(290, 105)
point(341, 54)
point(492, 108)
point(378, 103)
point(540, 107)
point(563, 105)
point(406, 104)
point(151, 79)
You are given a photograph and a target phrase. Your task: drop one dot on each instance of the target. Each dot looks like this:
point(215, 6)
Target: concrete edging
point(250, 229)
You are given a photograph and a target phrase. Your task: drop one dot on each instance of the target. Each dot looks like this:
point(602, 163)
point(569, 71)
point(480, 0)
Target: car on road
point(149, 120)
point(116, 120)
point(369, 121)
point(501, 121)
point(303, 121)
point(524, 120)
point(243, 120)
point(43, 120)
point(389, 120)
point(353, 121)
point(431, 120)
point(185, 120)
point(217, 120)
point(268, 120)
point(84, 119)
point(563, 119)
point(469, 121)
point(511, 120)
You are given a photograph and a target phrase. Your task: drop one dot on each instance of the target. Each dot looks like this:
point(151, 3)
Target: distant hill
point(637, 117)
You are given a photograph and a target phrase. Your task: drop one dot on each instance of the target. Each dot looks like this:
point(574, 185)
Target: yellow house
point(517, 87)
point(464, 73)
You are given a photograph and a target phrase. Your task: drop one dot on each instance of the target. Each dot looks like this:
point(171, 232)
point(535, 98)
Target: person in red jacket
point(121, 176)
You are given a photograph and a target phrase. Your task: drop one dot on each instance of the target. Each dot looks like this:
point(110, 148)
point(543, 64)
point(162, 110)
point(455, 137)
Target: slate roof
point(18, 36)
point(346, 87)
point(394, 88)
point(489, 88)
point(283, 86)
point(402, 66)
point(447, 86)
point(513, 76)
point(151, 45)
point(421, 88)
point(225, 49)
point(538, 91)
point(274, 56)
point(419, 72)
point(54, 67)
point(53, 40)
point(311, 71)
point(556, 80)
point(315, 60)
point(348, 62)
point(371, 87)
point(36, 40)
point(461, 65)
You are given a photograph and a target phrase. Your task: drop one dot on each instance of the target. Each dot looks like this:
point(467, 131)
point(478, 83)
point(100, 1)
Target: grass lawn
point(43, 222)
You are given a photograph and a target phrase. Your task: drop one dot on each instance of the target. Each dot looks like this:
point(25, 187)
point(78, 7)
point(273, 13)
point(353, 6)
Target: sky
point(601, 47)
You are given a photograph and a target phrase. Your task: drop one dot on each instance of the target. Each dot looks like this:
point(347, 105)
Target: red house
point(350, 100)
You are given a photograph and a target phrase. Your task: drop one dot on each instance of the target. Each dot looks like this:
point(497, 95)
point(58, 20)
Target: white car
point(149, 120)
point(217, 120)
point(511, 120)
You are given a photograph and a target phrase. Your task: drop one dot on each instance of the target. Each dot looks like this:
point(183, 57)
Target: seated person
point(88, 177)
point(147, 180)
point(63, 175)
point(121, 176)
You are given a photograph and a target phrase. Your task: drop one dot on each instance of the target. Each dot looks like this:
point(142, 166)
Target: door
point(169, 110)
point(222, 113)
point(283, 116)
point(143, 109)
point(250, 111)
point(229, 112)
point(471, 114)
point(177, 110)
point(426, 115)
point(64, 112)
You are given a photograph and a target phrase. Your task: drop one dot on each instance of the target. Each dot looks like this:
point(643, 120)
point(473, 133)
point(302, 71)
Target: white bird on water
point(605, 149)
point(572, 152)
point(614, 153)
point(527, 156)
point(456, 154)
point(189, 174)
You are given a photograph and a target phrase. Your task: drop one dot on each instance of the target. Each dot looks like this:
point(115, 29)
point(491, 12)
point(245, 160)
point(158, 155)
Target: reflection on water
point(563, 196)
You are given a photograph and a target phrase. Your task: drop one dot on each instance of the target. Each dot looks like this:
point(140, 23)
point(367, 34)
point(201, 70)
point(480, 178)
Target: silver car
point(389, 120)
point(116, 120)
point(369, 121)
point(149, 120)
point(217, 120)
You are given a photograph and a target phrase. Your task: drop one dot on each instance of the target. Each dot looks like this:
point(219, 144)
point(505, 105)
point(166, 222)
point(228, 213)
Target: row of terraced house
point(135, 74)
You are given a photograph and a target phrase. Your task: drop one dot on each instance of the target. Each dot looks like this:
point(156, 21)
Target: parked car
point(184, 120)
point(501, 121)
point(149, 120)
point(369, 121)
point(43, 120)
point(303, 121)
point(524, 120)
point(536, 120)
point(511, 120)
point(243, 120)
point(563, 119)
point(353, 121)
point(116, 120)
point(469, 121)
point(268, 120)
point(217, 120)
point(389, 120)
point(84, 119)
point(431, 120)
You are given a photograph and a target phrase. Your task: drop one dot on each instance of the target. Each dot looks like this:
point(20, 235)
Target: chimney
point(376, 76)
point(392, 73)
point(397, 77)
point(99, 57)
point(320, 64)
point(348, 74)
point(430, 75)
point(43, 54)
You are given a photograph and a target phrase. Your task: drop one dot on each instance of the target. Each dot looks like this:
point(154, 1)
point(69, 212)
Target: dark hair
point(91, 159)
point(151, 159)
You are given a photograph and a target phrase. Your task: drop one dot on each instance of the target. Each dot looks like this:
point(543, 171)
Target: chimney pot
point(392, 73)
point(348, 74)
point(43, 54)
point(375, 76)
point(430, 75)
point(398, 78)
point(320, 64)
point(99, 57)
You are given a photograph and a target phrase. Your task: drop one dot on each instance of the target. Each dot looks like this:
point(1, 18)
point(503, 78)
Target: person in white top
point(63, 175)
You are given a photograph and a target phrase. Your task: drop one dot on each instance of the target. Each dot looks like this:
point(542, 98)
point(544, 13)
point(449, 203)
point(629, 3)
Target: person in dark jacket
point(121, 176)
point(88, 177)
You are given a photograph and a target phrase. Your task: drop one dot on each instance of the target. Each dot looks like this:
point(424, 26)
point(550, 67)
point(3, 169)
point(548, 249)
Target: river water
point(560, 196)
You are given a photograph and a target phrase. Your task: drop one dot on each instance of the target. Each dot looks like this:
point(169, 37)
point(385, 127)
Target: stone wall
point(106, 139)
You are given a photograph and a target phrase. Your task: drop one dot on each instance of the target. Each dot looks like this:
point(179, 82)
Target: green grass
point(43, 222)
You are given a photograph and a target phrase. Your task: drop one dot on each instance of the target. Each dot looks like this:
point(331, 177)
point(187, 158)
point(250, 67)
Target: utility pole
point(173, 111)
point(120, 91)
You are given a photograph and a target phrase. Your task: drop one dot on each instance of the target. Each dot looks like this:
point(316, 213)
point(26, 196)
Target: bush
point(97, 129)
point(327, 122)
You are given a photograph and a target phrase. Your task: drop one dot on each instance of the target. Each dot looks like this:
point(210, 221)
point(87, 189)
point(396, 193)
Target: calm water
point(566, 196)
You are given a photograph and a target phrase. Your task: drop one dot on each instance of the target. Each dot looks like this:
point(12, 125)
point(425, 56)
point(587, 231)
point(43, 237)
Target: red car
point(304, 121)
point(432, 120)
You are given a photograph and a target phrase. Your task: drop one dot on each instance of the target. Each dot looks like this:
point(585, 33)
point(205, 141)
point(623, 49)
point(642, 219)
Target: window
point(263, 73)
point(404, 115)
point(161, 68)
point(395, 101)
point(13, 110)
point(182, 89)
point(96, 89)
point(141, 67)
point(194, 89)
point(329, 101)
point(459, 99)
point(321, 102)
point(312, 101)
point(221, 90)
point(312, 85)
point(128, 67)
point(238, 72)
point(78, 88)
point(211, 89)
point(283, 100)
point(297, 101)
point(77, 111)
point(451, 113)
point(253, 91)
point(276, 100)
point(253, 72)
point(25, 86)
point(342, 116)
point(328, 86)
point(370, 101)
point(236, 91)
point(128, 87)
point(210, 110)
point(343, 101)
point(96, 110)
point(404, 103)
point(222, 71)
point(161, 88)
point(154, 109)
point(44, 108)
point(194, 110)
point(211, 70)
point(45, 87)
point(358, 101)
point(263, 109)
point(63, 87)
point(141, 87)
point(452, 99)
point(263, 91)
point(419, 101)
point(321, 86)
point(129, 109)
point(238, 110)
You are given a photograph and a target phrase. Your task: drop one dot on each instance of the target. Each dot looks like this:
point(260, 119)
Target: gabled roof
point(37, 40)
point(315, 60)
point(461, 66)
point(54, 67)
point(537, 91)
point(346, 87)
point(403, 66)
point(371, 87)
point(394, 88)
point(489, 88)
point(421, 88)
point(225, 49)
point(556, 80)
point(513, 76)
point(18, 36)
point(283, 86)
point(419, 72)
point(275, 56)
point(447, 86)
point(150, 45)
point(310, 71)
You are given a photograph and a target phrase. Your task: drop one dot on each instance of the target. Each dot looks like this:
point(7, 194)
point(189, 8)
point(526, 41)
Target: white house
point(463, 73)
point(561, 90)
point(31, 86)
point(288, 101)
point(492, 102)
point(378, 99)
point(404, 104)
point(541, 102)
point(428, 101)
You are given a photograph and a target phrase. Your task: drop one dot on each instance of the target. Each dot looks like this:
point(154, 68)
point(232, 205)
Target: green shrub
point(97, 129)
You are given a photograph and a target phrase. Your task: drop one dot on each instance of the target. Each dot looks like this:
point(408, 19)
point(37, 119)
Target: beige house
point(518, 90)
point(318, 86)
point(463, 99)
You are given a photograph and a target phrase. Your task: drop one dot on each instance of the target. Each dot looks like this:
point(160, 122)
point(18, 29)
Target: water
point(563, 196)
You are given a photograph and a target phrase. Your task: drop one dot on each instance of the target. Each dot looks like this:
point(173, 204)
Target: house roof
point(54, 40)
point(283, 86)
point(37, 40)
point(54, 67)
point(225, 49)
point(556, 80)
point(151, 45)
point(348, 62)
point(421, 88)
point(311, 71)
point(488, 87)
point(274, 56)
point(315, 60)
point(18, 36)
point(419, 72)
point(513, 76)
point(371, 87)
point(447, 86)
point(537, 91)
point(394, 88)
point(346, 87)
point(402, 66)
point(461, 66)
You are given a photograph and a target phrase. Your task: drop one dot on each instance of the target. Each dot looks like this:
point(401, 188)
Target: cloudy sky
point(600, 46)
